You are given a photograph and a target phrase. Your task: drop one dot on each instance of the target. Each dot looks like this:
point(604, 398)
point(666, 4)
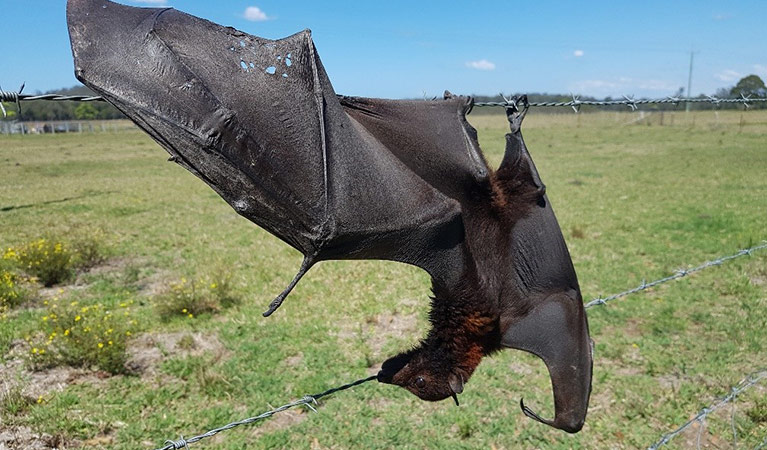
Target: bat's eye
point(420, 382)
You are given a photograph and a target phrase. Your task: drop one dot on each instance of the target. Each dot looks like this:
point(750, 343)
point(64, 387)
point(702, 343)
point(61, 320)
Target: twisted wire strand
point(307, 400)
point(15, 97)
point(746, 383)
point(631, 102)
point(679, 274)
point(575, 103)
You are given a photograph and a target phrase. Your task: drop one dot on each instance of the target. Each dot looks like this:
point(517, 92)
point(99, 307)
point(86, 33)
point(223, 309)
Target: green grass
point(634, 201)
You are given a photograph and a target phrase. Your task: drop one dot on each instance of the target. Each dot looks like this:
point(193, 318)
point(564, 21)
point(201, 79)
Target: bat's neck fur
point(465, 325)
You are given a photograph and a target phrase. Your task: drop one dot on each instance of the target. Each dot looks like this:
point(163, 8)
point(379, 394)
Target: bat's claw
point(516, 108)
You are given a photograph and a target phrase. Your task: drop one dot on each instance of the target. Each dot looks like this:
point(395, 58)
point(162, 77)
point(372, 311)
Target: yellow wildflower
point(66, 332)
point(77, 318)
point(101, 345)
point(191, 316)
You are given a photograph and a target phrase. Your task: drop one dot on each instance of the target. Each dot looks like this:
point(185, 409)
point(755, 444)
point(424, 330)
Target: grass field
point(636, 200)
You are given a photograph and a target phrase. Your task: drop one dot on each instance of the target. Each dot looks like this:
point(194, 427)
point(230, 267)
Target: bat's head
point(429, 375)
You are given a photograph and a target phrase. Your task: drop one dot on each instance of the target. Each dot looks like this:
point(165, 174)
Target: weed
point(192, 298)
point(47, 260)
point(466, 428)
point(53, 260)
point(83, 336)
point(12, 400)
point(758, 413)
point(87, 249)
point(186, 342)
point(12, 292)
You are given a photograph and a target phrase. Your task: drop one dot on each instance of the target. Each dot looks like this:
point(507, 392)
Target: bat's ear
point(455, 380)
point(556, 330)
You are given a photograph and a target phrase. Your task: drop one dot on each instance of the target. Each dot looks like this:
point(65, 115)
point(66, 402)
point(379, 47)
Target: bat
point(345, 178)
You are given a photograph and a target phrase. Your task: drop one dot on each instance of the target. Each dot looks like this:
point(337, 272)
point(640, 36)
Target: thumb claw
point(531, 414)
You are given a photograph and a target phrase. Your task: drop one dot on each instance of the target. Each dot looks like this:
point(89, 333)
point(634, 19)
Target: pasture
point(635, 199)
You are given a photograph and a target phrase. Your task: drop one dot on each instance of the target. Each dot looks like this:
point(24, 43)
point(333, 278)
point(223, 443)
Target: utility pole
point(689, 83)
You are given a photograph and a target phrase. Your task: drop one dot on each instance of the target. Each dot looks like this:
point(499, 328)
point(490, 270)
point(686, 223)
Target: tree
point(85, 111)
point(751, 85)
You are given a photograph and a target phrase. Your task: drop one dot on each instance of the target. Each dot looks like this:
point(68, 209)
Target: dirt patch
point(392, 325)
point(13, 438)
point(282, 420)
point(147, 351)
point(107, 266)
point(155, 284)
point(375, 331)
point(294, 360)
point(36, 384)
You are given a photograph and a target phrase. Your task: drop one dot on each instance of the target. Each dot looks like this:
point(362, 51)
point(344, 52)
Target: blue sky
point(414, 48)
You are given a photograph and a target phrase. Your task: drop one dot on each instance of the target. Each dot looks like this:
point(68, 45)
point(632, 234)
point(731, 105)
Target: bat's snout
point(392, 367)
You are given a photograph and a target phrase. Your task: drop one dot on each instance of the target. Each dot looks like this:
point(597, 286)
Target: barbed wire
point(679, 274)
point(576, 103)
point(627, 100)
point(700, 418)
point(307, 400)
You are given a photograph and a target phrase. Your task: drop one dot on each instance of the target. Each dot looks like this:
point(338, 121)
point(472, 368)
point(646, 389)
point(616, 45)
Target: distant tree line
point(750, 85)
point(45, 110)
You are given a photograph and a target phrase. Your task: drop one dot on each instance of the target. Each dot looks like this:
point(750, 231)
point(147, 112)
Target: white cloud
point(578, 53)
point(482, 64)
point(622, 85)
point(254, 14)
point(761, 68)
point(728, 75)
point(722, 16)
point(152, 2)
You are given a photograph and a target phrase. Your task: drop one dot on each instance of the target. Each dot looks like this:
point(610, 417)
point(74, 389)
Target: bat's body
point(356, 178)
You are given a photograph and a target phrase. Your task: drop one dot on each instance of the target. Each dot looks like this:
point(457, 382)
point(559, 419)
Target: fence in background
point(66, 126)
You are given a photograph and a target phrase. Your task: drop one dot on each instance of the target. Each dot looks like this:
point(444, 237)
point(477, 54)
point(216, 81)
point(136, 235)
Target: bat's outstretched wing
point(432, 138)
point(259, 122)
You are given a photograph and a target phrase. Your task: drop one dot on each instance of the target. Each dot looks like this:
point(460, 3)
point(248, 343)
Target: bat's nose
point(385, 377)
point(391, 367)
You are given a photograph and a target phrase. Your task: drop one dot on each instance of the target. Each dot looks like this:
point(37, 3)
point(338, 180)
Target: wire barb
point(12, 97)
